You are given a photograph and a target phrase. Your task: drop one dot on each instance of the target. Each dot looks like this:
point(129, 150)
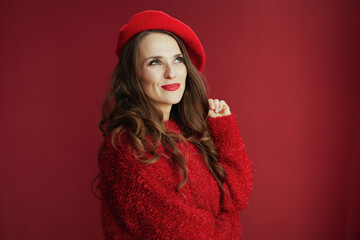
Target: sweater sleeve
point(234, 159)
point(150, 209)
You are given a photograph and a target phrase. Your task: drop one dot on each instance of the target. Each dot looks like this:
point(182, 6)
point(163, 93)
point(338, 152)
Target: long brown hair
point(127, 108)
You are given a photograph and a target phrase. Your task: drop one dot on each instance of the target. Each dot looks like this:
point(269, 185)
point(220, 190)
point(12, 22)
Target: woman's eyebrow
point(159, 57)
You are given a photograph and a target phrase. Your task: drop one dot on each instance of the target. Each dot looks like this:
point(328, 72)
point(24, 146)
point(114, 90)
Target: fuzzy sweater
point(139, 200)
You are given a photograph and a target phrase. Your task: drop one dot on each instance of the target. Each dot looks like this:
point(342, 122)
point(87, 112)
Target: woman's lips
point(171, 87)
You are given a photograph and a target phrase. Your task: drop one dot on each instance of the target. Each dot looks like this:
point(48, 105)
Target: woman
point(173, 165)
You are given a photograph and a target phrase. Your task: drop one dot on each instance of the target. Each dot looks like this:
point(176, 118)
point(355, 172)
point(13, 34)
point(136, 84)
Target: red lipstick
point(171, 87)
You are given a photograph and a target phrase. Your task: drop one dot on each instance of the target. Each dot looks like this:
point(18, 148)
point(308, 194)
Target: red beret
point(150, 19)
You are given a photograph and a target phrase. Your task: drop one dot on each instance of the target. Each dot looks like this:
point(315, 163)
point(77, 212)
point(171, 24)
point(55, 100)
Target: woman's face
point(161, 69)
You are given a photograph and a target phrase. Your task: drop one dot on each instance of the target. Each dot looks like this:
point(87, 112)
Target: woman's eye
point(155, 62)
point(179, 60)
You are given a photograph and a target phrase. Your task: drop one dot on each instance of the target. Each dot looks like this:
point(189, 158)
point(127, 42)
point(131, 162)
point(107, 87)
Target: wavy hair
point(127, 108)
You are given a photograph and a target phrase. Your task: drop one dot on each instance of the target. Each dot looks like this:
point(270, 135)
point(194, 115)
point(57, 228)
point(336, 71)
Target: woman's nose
point(170, 72)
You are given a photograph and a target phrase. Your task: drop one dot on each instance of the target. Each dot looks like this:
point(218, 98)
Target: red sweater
point(139, 201)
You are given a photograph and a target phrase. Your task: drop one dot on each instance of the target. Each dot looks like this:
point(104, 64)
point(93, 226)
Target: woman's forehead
point(158, 44)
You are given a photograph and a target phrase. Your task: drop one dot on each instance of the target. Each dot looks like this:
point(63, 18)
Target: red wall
point(288, 68)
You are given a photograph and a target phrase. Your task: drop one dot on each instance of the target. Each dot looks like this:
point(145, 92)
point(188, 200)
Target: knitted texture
point(140, 201)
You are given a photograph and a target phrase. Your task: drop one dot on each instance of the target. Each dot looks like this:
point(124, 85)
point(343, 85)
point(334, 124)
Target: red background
point(289, 69)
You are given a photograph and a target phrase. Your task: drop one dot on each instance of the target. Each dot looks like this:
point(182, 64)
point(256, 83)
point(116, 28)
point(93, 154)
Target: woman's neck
point(166, 116)
point(166, 112)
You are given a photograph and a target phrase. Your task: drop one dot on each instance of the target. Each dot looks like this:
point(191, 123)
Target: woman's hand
point(218, 108)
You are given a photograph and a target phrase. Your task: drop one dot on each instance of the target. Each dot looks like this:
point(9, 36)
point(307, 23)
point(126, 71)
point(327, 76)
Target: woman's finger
point(216, 104)
point(222, 104)
point(225, 109)
point(211, 104)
